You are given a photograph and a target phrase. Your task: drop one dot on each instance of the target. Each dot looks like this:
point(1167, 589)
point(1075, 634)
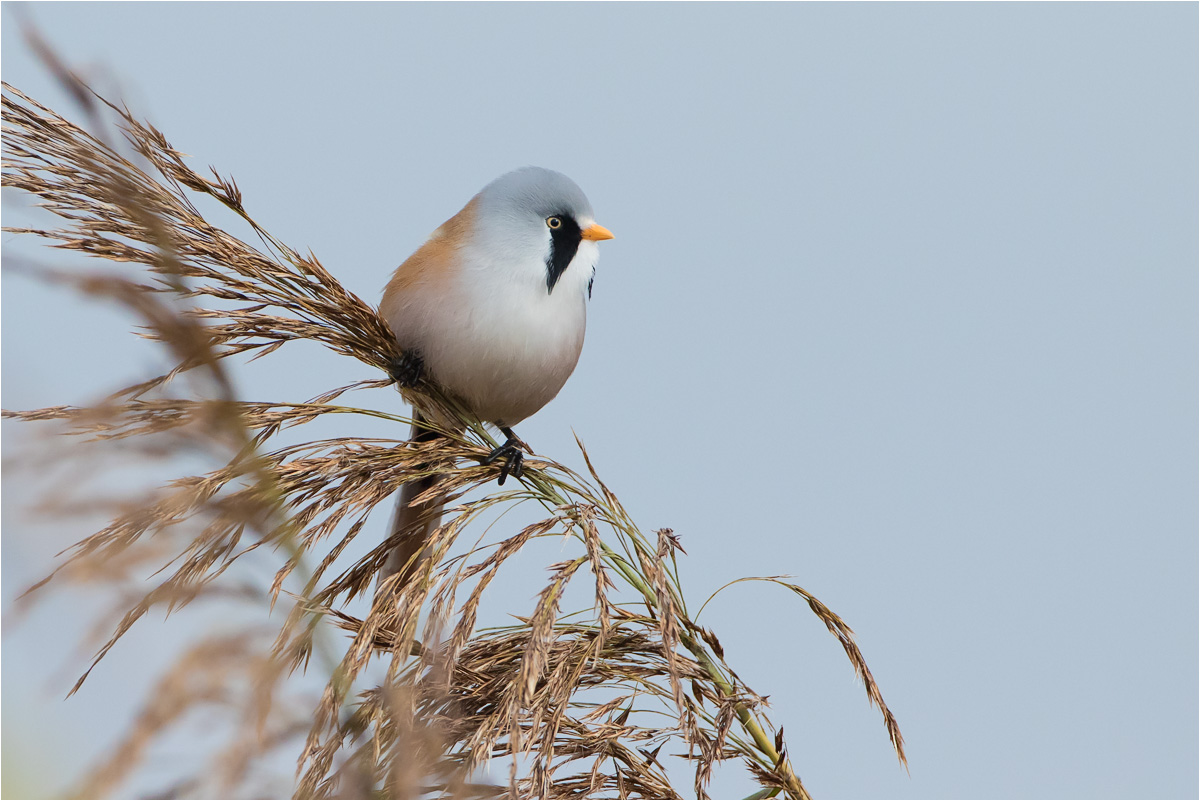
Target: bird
point(493, 308)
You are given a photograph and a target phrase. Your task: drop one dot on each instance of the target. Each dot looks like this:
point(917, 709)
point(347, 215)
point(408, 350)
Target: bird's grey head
point(541, 214)
point(537, 192)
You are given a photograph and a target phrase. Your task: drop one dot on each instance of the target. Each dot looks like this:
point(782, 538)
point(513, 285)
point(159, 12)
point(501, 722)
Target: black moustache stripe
point(564, 242)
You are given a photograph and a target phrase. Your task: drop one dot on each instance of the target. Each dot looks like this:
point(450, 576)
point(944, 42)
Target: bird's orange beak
point(596, 232)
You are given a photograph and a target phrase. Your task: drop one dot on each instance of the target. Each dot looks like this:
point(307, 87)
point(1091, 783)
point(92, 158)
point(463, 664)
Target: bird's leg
point(407, 370)
point(510, 451)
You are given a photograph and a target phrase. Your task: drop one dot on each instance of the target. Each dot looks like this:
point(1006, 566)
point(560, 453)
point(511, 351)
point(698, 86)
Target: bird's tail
point(413, 523)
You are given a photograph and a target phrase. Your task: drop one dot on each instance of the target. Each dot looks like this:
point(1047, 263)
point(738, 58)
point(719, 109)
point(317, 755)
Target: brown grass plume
point(417, 698)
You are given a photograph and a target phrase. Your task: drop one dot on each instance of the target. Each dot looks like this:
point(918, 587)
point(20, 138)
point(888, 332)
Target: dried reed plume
point(561, 705)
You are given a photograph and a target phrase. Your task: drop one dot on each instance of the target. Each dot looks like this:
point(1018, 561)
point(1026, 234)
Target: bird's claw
point(407, 370)
point(514, 459)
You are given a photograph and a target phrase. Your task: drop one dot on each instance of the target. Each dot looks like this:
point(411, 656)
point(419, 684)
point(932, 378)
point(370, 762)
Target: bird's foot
point(407, 370)
point(510, 452)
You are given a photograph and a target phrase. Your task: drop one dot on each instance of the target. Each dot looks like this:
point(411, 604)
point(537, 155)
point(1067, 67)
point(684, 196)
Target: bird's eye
point(554, 222)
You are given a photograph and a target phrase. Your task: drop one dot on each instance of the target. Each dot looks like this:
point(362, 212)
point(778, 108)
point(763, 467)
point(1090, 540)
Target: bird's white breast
point(493, 334)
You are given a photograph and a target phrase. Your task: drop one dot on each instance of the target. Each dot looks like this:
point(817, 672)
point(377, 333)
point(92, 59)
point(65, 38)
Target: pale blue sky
point(903, 302)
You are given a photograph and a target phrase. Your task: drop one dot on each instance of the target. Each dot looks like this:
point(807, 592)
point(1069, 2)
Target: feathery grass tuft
point(559, 705)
